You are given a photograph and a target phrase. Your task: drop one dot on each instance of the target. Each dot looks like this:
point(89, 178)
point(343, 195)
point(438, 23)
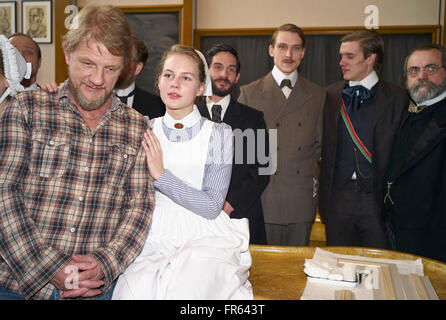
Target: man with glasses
point(361, 116)
point(293, 106)
point(415, 183)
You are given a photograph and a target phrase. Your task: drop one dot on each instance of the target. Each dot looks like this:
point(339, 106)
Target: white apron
point(185, 255)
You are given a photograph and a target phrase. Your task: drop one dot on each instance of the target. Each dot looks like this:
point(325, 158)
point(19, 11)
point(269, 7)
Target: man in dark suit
point(295, 113)
point(142, 101)
point(361, 116)
point(247, 185)
point(415, 183)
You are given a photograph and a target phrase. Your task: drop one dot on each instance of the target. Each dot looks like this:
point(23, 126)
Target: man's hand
point(81, 277)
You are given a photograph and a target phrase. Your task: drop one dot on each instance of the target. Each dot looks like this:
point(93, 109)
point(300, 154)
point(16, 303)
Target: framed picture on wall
point(8, 23)
point(37, 20)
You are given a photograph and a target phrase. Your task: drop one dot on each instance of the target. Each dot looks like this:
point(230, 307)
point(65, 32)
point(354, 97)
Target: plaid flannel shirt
point(66, 190)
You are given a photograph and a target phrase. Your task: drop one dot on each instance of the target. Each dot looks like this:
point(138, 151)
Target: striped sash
point(353, 134)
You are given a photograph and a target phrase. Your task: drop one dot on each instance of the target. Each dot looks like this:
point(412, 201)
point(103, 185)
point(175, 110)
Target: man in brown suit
point(293, 106)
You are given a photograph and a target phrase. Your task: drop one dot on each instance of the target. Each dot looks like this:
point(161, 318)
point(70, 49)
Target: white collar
point(126, 91)
point(279, 76)
point(31, 87)
point(367, 82)
point(188, 121)
point(433, 100)
point(224, 103)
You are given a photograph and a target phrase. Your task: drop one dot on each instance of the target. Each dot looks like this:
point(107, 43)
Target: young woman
point(13, 69)
point(194, 250)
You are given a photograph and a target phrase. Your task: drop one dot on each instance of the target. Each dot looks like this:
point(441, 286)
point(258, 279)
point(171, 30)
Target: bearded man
point(76, 195)
point(247, 185)
point(415, 183)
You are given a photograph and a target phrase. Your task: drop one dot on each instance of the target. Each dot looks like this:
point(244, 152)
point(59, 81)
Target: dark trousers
point(354, 219)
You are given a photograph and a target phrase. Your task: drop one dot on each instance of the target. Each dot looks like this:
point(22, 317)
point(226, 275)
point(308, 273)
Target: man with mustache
point(246, 187)
point(362, 113)
point(293, 106)
point(76, 194)
point(415, 183)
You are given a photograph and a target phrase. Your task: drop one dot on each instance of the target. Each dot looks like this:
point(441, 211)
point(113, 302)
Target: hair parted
point(289, 27)
point(187, 51)
point(370, 42)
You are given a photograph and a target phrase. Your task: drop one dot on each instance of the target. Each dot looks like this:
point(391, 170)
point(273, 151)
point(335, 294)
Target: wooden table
point(277, 272)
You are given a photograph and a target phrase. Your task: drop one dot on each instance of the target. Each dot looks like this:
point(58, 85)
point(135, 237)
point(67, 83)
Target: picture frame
point(8, 22)
point(37, 19)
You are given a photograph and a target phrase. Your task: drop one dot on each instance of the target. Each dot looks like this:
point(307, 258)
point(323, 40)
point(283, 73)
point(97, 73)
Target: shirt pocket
point(120, 161)
point(49, 154)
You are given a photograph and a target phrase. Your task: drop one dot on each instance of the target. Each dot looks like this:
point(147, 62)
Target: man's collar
point(126, 91)
point(31, 87)
point(433, 100)
point(367, 82)
point(279, 76)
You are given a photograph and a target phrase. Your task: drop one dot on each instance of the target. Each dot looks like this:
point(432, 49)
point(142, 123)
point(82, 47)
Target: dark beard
point(222, 93)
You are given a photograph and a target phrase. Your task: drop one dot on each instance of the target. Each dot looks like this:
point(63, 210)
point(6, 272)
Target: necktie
point(413, 108)
point(216, 113)
point(286, 83)
point(124, 99)
point(355, 95)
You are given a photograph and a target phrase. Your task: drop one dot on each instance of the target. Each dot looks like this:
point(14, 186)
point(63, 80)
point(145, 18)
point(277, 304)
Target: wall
point(47, 69)
point(269, 14)
point(312, 13)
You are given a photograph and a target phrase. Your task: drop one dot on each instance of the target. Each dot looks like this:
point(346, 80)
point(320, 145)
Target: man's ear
point(271, 51)
point(237, 77)
point(138, 68)
point(371, 59)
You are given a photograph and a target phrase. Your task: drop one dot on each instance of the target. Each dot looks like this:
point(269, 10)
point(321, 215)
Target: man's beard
point(83, 102)
point(431, 91)
point(222, 93)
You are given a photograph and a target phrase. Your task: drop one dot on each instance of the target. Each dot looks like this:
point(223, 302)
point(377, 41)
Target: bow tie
point(413, 108)
point(356, 95)
point(286, 83)
point(125, 98)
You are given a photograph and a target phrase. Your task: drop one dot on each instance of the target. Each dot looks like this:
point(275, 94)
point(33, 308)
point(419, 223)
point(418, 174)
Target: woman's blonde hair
point(187, 51)
point(104, 24)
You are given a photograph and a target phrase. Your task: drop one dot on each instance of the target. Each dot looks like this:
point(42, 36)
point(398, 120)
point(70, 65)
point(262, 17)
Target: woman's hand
point(50, 87)
point(154, 154)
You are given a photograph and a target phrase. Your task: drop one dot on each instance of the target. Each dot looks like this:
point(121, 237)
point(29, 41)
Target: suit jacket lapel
point(298, 97)
point(432, 135)
point(272, 92)
point(232, 114)
point(203, 108)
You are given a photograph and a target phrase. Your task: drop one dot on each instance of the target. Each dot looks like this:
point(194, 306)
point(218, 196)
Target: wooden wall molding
point(435, 30)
